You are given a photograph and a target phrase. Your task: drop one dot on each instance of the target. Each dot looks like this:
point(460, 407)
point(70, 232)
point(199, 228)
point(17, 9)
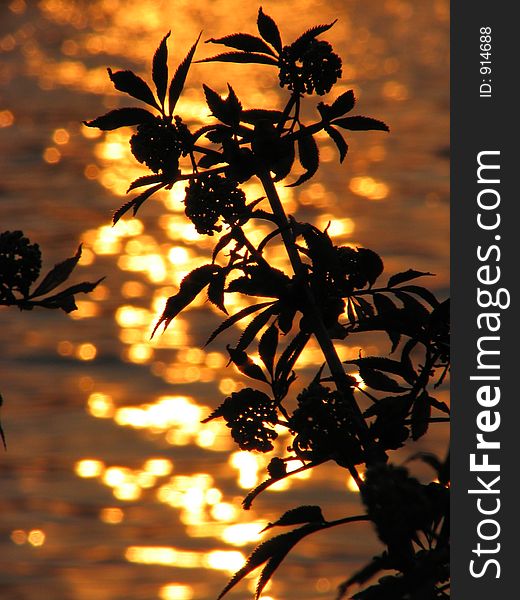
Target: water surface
point(111, 488)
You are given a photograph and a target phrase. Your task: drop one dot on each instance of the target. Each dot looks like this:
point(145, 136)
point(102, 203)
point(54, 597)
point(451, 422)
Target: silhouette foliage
point(20, 266)
point(331, 293)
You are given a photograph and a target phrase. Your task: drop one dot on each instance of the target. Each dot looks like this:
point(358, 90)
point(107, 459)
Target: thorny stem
point(322, 336)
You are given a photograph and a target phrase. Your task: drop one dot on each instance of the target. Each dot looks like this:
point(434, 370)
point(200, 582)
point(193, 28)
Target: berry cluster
point(159, 144)
point(20, 264)
point(322, 425)
point(213, 197)
point(247, 413)
point(309, 68)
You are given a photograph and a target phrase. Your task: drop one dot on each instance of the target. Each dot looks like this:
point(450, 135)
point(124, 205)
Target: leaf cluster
point(332, 293)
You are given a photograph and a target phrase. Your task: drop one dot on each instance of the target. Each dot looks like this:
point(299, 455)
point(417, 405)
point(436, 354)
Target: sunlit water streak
point(112, 488)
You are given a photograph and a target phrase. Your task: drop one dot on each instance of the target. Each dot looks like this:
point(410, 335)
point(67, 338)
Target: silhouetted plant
point(20, 265)
point(332, 292)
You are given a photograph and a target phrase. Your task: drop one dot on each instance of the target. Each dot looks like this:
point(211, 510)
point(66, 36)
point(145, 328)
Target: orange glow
point(86, 351)
point(86, 310)
point(61, 137)
point(229, 561)
point(241, 534)
point(100, 405)
point(176, 591)
point(65, 348)
point(158, 466)
point(18, 537)
point(36, 537)
point(369, 188)
point(140, 353)
point(112, 516)
point(51, 155)
point(88, 468)
point(6, 118)
point(247, 466)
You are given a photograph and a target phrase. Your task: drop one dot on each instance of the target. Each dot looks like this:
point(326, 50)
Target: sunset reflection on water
point(115, 487)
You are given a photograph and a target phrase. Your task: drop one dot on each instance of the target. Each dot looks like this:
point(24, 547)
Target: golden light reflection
point(133, 289)
point(86, 310)
point(176, 591)
point(65, 348)
point(89, 467)
point(19, 537)
point(352, 486)
point(225, 560)
point(224, 511)
point(100, 405)
point(140, 353)
point(369, 188)
point(6, 118)
point(241, 534)
point(160, 467)
point(247, 465)
point(86, 351)
point(61, 137)
point(36, 537)
point(132, 316)
point(112, 516)
point(87, 257)
point(51, 155)
point(336, 227)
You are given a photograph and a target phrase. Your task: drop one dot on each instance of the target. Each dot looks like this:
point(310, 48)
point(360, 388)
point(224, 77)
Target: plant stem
point(327, 347)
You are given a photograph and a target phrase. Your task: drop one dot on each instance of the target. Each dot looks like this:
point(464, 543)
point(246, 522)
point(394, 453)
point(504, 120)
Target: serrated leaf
point(221, 244)
point(242, 58)
point(255, 326)
point(233, 106)
point(364, 308)
point(415, 311)
point(216, 290)
point(179, 79)
point(385, 364)
point(189, 289)
point(245, 42)
point(406, 276)
point(276, 548)
point(216, 103)
point(338, 139)
point(160, 69)
point(309, 157)
point(378, 380)
point(210, 160)
point(421, 413)
point(290, 355)
point(361, 124)
point(311, 33)
point(245, 364)
point(65, 298)
point(384, 304)
point(442, 406)
point(268, 29)
point(296, 516)
point(57, 275)
point(145, 180)
point(133, 85)
point(343, 104)
point(422, 293)
point(121, 117)
point(245, 312)
point(267, 347)
point(136, 202)
point(283, 166)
